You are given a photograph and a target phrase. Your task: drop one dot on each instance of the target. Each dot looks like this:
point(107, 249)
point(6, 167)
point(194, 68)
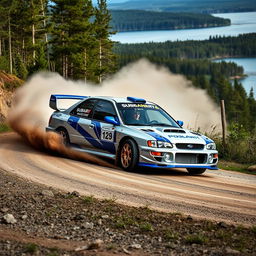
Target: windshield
point(144, 115)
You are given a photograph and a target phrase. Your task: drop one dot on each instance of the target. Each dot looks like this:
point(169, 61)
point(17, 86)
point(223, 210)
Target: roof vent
point(136, 100)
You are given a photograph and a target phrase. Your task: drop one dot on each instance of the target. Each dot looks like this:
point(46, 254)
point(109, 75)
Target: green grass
point(170, 235)
point(31, 248)
point(88, 199)
point(233, 166)
point(196, 239)
point(4, 128)
point(146, 227)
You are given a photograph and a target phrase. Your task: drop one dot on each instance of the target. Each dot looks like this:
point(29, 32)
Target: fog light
point(168, 157)
point(210, 159)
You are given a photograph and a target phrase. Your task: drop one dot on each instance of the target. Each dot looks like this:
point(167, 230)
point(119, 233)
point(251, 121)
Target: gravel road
point(216, 195)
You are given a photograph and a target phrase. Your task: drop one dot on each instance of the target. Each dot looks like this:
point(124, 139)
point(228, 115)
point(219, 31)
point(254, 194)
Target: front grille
point(189, 146)
point(183, 158)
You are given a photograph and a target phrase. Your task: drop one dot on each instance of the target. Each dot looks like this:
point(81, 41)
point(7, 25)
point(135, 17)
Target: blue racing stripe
point(104, 145)
point(73, 121)
point(207, 140)
point(158, 136)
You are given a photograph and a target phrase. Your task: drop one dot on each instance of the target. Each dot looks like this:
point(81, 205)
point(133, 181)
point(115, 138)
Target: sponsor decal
point(133, 105)
point(184, 136)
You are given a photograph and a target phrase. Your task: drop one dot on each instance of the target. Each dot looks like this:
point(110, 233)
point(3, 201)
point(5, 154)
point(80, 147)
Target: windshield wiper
point(136, 124)
point(161, 124)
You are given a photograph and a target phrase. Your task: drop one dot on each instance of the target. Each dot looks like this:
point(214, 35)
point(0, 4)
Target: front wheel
point(128, 155)
point(195, 171)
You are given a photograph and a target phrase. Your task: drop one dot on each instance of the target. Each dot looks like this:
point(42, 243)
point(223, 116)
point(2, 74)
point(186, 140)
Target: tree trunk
point(224, 124)
point(10, 43)
point(33, 43)
point(100, 76)
point(45, 35)
point(85, 63)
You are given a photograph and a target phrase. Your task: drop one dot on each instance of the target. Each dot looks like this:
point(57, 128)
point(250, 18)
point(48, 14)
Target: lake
point(241, 23)
point(249, 65)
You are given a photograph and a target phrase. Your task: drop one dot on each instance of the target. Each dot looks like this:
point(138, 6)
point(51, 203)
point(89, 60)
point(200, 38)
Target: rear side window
point(84, 109)
point(102, 109)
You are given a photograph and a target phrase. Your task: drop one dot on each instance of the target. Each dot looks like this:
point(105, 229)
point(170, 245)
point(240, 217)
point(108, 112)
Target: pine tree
point(105, 58)
point(72, 37)
point(6, 11)
point(21, 69)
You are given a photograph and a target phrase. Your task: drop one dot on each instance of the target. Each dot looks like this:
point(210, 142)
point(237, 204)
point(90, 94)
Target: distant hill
point(139, 20)
point(200, 6)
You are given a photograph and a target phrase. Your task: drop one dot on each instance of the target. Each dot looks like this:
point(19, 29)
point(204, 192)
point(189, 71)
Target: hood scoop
point(147, 130)
point(174, 131)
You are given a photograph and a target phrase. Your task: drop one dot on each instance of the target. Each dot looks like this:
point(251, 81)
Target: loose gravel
point(39, 220)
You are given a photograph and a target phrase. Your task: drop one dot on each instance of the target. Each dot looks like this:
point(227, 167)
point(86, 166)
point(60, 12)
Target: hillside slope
point(8, 83)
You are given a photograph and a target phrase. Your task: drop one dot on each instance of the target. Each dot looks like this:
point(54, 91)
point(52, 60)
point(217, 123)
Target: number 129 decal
point(107, 135)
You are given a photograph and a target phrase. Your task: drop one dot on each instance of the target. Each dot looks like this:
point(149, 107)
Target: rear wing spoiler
point(55, 97)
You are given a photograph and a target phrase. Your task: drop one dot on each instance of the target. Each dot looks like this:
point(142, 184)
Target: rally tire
point(128, 155)
point(196, 171)
point(65, 136)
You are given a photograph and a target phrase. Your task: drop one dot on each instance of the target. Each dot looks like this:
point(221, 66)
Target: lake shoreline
point(241, 23)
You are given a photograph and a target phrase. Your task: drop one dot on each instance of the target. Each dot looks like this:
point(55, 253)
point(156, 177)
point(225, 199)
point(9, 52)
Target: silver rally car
point(133, 131)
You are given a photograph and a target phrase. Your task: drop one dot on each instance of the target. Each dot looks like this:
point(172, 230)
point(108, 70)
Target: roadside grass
point(31, 248)
point(196, 239)
point(4, 128)
point(88, 199)
point(170, 235)
point(233, 166)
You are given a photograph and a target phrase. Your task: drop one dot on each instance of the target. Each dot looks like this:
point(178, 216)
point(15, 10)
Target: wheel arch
point(121, 143)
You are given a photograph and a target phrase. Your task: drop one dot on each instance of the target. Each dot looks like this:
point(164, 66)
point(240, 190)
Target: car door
point(105, 133)
point(80, 120)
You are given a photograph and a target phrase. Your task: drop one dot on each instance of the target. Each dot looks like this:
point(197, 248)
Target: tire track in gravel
point(218, 195)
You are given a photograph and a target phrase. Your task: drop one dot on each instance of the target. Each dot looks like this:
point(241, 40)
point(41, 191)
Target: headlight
point(159, 144)
point(211, 146)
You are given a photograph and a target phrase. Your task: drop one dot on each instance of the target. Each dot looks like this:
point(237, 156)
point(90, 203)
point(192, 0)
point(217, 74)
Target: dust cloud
point(30, 112)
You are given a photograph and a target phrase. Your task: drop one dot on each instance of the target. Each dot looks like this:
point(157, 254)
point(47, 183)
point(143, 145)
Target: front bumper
point(177, 158)
point(214, 167)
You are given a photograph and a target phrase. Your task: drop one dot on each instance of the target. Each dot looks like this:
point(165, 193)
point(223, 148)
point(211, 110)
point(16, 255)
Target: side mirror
point(180, 123)
point(111, 120)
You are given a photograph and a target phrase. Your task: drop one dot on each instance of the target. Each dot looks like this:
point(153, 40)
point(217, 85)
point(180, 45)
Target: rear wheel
point(128, 155)
point(196, 171)
point(64, 135)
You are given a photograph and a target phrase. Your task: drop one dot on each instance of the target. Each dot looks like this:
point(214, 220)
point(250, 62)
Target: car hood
point(175, 135)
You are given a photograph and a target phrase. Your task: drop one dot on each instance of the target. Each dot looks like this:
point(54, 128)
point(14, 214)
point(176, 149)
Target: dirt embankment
point(8, 83)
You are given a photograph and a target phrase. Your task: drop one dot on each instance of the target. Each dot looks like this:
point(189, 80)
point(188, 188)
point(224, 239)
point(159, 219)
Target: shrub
point(240, 145)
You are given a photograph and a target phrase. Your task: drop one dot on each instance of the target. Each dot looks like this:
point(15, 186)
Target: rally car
point(133, 131)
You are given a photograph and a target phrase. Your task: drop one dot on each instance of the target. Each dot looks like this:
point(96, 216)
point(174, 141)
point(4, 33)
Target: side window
point(102, 109)
point(84, 109)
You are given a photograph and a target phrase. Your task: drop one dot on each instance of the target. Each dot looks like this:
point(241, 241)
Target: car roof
point(123, 99)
